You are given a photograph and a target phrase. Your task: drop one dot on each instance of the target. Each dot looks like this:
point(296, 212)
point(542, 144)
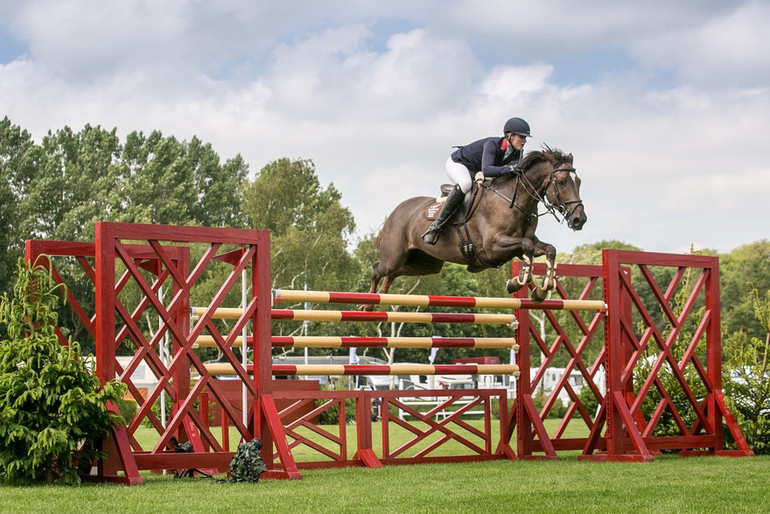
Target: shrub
point(589, 401)
point(666, 377)
point(558, 409)
point(53, 412)
point(127, 409)
point(331, 415)
point(746, 379)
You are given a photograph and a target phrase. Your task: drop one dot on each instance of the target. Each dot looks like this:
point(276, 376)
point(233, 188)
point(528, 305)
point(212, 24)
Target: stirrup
point(431, 235)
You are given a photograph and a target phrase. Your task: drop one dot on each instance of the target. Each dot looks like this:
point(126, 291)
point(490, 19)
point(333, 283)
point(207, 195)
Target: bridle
point(562, 205)
point(565, 208)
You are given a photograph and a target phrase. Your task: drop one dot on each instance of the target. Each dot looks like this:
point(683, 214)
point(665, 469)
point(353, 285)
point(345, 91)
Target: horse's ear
point(570, 157)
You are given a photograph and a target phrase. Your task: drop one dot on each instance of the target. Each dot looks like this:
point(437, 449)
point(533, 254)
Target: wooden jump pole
point(284, 295)
point(374, 342)
point(226, 369)
point(385, 317)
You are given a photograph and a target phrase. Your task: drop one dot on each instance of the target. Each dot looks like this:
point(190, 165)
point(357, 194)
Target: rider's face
point(518, 141)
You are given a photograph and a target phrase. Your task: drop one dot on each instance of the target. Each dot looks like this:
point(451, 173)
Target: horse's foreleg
point(508, 247)
point(524, 277)
point(549, 277)
point(540, 292)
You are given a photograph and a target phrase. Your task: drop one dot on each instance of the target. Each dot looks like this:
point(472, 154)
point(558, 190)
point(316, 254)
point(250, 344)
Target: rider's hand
point(514, 169)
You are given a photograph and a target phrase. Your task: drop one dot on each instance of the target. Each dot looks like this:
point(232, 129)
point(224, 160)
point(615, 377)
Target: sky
point(664, 105)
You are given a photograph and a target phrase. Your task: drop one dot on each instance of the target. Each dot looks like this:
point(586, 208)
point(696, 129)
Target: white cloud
point(566, 26)
point(728, 49)
point(82, 39)
point(334, 73)
point(378, 112)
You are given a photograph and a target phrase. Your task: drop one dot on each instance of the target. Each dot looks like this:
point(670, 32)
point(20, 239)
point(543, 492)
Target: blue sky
point(10, 47)
point(665, 105)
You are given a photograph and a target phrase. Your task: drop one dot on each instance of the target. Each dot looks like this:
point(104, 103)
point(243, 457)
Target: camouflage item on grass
point(247, 465)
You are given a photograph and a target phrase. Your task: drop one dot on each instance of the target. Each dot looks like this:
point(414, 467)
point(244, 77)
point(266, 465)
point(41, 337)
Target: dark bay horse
point(501, 226)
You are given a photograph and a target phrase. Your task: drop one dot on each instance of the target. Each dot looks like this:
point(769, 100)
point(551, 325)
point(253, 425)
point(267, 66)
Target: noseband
point(561, 205)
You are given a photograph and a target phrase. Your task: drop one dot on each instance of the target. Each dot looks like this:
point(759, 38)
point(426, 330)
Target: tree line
point(58, 188)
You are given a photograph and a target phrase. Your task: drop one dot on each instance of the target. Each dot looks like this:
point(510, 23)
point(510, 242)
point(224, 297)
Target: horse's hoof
point(365, 308)
point(512, 286)
point(539, 294)
point(548, 284)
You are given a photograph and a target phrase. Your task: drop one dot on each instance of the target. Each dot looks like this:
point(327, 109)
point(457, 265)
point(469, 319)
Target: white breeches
point(459, 174)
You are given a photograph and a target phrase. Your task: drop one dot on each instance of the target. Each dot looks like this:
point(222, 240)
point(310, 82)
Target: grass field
point(669, 484)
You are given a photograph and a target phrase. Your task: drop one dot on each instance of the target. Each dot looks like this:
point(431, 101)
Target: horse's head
point(562, 188)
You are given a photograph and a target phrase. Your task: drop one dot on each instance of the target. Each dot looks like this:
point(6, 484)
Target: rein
point(563, 207)
point(467, 248)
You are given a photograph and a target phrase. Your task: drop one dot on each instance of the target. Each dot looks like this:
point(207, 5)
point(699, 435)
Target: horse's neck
point(530, 187)
point(538, 177)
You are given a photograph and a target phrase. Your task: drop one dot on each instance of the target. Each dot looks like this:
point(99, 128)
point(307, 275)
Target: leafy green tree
point(218, 201)
point(167, 181)
point(592, 253)
point(746, 377)
point(68, 189)
point(52, 410)
point(19, 158)
point(78, 178)
point(62, 187)
point(310, 229)
point(746, 264)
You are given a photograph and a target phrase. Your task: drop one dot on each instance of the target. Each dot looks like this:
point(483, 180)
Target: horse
point(497, 224)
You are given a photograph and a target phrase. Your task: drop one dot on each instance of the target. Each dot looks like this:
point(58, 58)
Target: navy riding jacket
point(486, 155)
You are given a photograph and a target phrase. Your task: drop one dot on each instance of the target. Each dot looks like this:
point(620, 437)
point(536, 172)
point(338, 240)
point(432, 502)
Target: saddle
point(461, 218)
point(470, 203)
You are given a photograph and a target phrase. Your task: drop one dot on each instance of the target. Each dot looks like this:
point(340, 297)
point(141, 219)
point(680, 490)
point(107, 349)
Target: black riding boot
point(451, 204)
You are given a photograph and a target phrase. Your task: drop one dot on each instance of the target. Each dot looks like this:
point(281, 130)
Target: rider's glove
point(514, 169)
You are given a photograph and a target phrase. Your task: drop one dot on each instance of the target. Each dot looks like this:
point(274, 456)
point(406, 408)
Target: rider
point(492, 156)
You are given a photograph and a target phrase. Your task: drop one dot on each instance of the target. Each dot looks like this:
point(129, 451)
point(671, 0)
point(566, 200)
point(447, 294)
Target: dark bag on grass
point(247, 465)
point(185, 447)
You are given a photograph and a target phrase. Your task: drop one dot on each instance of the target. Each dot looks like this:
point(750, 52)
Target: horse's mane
point(547, 154)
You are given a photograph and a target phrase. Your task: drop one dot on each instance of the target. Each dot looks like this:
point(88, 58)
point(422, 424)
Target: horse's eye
point(561, 182)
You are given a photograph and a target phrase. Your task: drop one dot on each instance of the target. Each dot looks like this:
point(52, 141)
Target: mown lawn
point(669, 484)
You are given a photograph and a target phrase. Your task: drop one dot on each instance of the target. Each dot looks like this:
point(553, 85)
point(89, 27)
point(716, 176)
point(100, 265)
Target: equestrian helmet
point(517, 126)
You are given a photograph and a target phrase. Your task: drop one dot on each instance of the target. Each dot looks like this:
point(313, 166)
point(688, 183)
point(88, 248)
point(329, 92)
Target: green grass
point(669, 484)
point(148, 437)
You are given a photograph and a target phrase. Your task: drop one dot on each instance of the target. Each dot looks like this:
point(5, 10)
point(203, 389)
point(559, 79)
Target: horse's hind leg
point(387, 281)
point(376, 277)
point(416, 263)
